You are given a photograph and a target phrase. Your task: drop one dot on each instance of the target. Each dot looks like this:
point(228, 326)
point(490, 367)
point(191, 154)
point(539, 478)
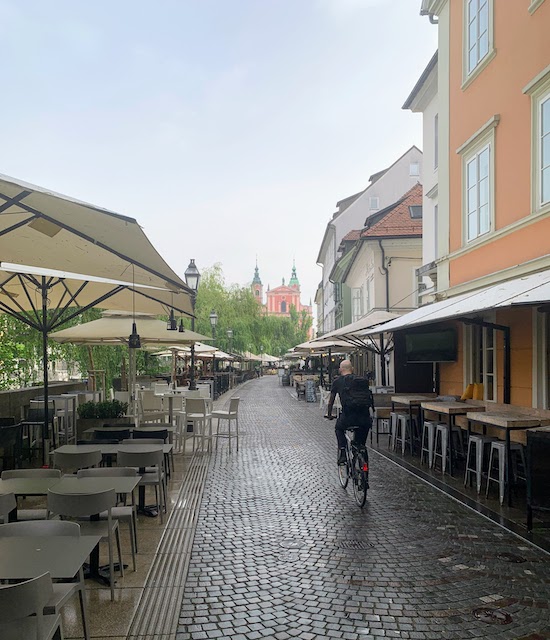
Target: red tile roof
point(352, 236)
point(397, 221)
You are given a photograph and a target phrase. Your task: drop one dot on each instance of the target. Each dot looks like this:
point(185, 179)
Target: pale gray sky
point(228, 128)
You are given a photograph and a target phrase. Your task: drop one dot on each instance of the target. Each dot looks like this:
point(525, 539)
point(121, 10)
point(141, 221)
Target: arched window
point(283, 307)
point(257, 292)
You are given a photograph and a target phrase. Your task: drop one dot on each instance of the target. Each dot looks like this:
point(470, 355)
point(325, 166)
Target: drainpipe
point(386, 272)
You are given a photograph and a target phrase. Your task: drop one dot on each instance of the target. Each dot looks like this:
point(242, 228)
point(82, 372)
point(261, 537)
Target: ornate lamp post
point(213, 322)
point(192, 278)
point(230, 338)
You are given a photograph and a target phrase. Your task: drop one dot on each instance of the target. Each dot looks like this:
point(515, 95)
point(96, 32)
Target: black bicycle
point(356, 467)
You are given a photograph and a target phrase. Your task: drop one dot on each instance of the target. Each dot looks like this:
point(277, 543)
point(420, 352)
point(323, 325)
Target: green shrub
point(106, 409)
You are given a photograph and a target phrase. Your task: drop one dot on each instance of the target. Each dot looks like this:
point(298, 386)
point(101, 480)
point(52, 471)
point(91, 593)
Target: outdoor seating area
point(116, 496)
point(477, 451)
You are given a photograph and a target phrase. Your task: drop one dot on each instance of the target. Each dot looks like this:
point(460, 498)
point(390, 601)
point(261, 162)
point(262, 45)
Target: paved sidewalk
point(282, 551)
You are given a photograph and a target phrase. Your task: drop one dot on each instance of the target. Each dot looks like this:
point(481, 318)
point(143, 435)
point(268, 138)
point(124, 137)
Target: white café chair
point(198, 413)
point(7, 504)
point(231, 415)
point(324, 395)
point(122, 512)
point(22, 611)
point(85, 505)
point(151, 408)
point(152, 462)
point(31, 514)
point(78, 460)
point(161, 387)
point(62, 591)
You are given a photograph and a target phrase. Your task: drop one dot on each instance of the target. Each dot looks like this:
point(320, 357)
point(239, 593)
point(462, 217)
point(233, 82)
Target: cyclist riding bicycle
point(357, 408)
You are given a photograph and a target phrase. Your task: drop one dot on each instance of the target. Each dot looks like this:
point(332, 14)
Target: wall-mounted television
point(431, 346)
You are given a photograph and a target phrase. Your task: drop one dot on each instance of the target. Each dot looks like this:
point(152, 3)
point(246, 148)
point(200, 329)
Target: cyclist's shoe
point(341, 456)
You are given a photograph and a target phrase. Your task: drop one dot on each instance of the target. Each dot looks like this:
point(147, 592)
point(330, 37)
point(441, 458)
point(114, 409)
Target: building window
point(356, 304)
point(283, 307)
point(374, 202)
point(482, 359)
point(543, 134)
point(414, 169)
point(477, 32)
point(257, 293)
point(436, 141)
point(539, 90)
point(478, 215)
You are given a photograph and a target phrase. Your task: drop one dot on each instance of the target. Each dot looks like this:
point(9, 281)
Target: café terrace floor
point(264, 543)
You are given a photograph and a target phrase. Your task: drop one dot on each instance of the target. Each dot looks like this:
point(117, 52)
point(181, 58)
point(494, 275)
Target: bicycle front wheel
point(343, 474)
point(360, 482)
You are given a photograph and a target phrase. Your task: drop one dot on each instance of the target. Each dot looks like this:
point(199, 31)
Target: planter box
point(83, 424)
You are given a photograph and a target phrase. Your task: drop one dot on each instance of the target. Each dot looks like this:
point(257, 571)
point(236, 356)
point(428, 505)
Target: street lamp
point(213, 322)
point(192, 278)
point(230, 338)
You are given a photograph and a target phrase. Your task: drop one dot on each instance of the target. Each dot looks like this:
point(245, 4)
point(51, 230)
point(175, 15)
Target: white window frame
point(541, 359)
point(356, 303)
point(374, 203)
point(436, 141)
point(468, 74)
point(484, 138)
point(414, 172)
point(478, 353)
point(539, 91)
point(535, 4)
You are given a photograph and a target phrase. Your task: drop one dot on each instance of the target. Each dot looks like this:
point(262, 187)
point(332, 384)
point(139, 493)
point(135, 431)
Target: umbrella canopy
point(45, 229)
point(321, 346)
point(115, 327)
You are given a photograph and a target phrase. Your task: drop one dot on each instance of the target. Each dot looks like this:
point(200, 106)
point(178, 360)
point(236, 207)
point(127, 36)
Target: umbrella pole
point(329, 365)
point(45, 361)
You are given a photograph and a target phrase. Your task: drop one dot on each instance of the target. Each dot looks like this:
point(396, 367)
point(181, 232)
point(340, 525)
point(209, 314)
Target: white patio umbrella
point(115, 327)
point(47, 240)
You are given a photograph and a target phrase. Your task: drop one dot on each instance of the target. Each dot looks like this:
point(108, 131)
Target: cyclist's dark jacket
point(350, 418)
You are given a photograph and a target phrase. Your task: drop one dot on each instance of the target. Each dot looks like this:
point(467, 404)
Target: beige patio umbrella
point(55, 248)
point(115, 327)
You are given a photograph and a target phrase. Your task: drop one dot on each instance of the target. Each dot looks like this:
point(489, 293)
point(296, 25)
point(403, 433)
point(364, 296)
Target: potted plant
point(92, 415)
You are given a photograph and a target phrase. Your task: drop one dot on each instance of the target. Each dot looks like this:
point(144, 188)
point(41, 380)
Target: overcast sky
point(228, 128)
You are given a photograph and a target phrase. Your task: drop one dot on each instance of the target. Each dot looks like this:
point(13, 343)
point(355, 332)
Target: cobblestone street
point(282, 551)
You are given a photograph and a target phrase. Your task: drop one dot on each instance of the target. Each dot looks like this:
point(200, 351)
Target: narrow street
point(282, 551)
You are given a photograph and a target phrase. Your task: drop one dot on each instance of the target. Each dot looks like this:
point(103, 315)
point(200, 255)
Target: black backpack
point(356, 395)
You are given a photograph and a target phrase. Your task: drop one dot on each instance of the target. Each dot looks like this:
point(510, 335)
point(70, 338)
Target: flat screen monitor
point(431, 346)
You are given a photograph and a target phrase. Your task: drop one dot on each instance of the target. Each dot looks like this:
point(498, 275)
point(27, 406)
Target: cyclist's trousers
point(360, 435)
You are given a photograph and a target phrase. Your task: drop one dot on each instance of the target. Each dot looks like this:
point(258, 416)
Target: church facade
point(280, 299)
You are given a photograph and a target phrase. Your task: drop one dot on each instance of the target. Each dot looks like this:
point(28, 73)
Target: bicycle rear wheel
point(360, 481)
point(344, 473)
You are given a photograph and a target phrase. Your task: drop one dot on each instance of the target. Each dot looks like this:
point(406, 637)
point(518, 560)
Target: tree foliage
point(237, 310)
point(253, 330)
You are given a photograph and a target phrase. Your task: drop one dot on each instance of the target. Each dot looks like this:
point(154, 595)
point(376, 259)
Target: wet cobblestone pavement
point(282, 551)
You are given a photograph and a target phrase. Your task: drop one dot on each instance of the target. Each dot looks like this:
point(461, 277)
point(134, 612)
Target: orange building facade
point(493, 226)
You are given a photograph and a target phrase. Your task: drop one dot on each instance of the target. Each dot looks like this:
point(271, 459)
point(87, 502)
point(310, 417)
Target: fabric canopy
point(352, 329)
point(321, 346)
point(115, 327)
point(41, 228)
point(528, 290)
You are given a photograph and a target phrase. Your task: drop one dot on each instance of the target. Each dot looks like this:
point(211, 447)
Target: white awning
point(527, 290)
point(366, 322)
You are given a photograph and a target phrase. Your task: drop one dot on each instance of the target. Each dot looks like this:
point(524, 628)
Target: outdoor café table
point(161, 426)
point(507, 422)
point(111, 450)
point(412, 401)
point(24, 557)
point(26, 487)
point(450, 410)
point(121, 484)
